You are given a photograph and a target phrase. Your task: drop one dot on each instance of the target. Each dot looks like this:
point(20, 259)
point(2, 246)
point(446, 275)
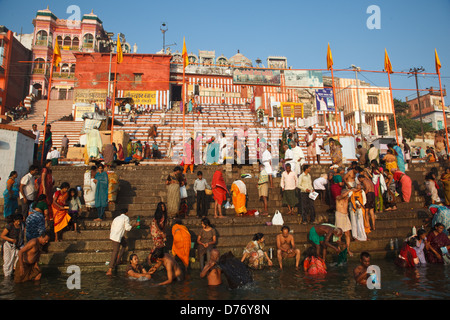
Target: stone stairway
point(142, 187)
point(228, 119)
point(58, 109)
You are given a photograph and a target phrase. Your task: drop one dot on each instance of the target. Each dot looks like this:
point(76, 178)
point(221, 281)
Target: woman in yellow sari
point(113, 185)
point(238, 191)
point(390, 160)
point(60, 209)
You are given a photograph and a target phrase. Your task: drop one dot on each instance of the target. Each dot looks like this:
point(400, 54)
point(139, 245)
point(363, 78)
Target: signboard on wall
point(250, 76)
point(89, 95)
point(325, 99)
point(303, 78)
point(82, 108)
point(141, 97)
point(292, 109)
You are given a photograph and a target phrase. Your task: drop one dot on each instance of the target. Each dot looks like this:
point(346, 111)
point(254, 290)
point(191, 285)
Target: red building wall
point(13, 72)
point(93, 68)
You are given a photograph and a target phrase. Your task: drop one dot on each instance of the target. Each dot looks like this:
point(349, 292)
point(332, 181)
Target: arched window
point(65, 68)
point(72, 68)
point(59, 39)
point(67, 41)
point(39, 64)
point(88, 40)
point(75, 43)
point(222, 61)
point(41, 38)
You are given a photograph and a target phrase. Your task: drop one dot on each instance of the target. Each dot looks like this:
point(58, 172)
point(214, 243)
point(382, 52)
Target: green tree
point(411, 128)
point(401, 107)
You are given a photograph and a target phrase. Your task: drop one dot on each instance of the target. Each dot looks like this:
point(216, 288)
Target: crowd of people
point(375, 183)
point(420, 248)
point(18, 112)
point(44, 208)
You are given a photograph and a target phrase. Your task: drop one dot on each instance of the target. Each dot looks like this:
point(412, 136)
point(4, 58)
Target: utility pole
point(164, 29)
point(415, 71)
point(359, 102)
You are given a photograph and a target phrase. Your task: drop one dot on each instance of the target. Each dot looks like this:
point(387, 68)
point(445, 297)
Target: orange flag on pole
point(329, 58)
point(387, 63)
point(437, 61)
point(56, 55)
point(184, 54)
point(119, 51)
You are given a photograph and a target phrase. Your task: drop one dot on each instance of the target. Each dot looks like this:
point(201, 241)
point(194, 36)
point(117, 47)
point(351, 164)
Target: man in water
point(360, 272)
point(321, 237)
point(174, 272)
point(286, 247)
point(27, 267)
point(212, 270)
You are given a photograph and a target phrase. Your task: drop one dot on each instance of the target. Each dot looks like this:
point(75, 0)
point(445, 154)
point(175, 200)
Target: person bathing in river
point(173, 270)
point(286, 247)
point(212, 270)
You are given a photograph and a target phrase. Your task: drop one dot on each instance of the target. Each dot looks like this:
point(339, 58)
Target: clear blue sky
point(298, 30)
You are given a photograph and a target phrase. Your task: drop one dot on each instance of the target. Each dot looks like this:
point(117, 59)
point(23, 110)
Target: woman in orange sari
point(239, 191)
point(181, 242)
point(60, 209)
point(219, 189)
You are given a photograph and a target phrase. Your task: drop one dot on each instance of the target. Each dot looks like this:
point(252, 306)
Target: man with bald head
point(212, 270)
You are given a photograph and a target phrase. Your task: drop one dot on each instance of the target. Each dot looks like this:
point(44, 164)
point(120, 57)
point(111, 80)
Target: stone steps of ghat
point(91, 249)
point(57, 110)
point(214, 118)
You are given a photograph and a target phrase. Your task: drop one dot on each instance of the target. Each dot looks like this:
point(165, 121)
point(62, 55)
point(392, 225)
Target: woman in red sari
point(313, 264)
point(61, 215)
point(220, 191)
point(436, 239)
point(337, 184)
point(120, 154)
point(45, 186)
point(405, 183)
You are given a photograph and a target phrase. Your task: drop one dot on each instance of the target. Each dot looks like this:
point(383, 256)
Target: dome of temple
point(240, 60)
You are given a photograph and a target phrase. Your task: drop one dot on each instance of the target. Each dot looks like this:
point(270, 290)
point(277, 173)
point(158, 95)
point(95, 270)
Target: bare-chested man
point(360, 272)
point(174, 272)
point(211, 270)
point(369, 189)
point(439, 145)
point(341, 216)
point(27, 267)
point(350, 176)
point(286, 247)
point(321, 237)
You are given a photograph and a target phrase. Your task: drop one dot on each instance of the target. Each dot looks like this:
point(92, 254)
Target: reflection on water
point(430, 282)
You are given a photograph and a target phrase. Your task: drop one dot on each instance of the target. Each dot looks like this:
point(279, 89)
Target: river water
point(423, 283)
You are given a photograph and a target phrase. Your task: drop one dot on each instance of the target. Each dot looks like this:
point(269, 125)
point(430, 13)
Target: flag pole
point(113, 107)
point(393, 107)
point(335, 102)
point(443, 107)
point(46, 111)
point(182, 103)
